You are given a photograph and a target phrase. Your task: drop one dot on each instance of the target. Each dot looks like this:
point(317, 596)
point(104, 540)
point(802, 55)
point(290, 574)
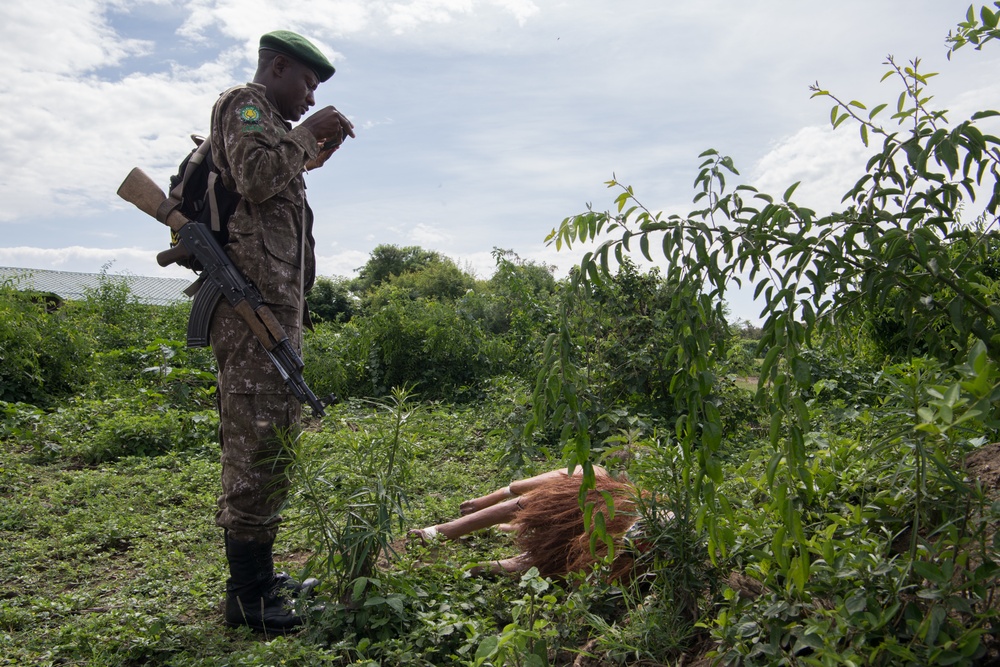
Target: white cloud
point(343, 263)
point(66, 157)
point(76, 133)
point(827, 162)
point(521, 10)
point(404, 17)
point(53, 37)
point(980, 98)
point(246, 20)
point(82, 126)
point(427, 235)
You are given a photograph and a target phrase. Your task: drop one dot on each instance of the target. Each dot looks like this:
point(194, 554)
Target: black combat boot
point(284, 581)
point(255, 597)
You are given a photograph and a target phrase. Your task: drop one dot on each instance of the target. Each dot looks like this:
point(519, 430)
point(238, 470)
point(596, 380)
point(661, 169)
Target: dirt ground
point(984, 465)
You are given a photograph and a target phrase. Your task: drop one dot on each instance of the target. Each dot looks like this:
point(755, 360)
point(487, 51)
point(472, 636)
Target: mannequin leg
point(496, 514)
point(481, 503)
point(518, 488)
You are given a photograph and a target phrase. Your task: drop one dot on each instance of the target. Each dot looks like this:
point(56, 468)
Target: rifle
point(220, 278)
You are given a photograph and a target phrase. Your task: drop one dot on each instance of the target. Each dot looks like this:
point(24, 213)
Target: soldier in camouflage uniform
point(261, 156)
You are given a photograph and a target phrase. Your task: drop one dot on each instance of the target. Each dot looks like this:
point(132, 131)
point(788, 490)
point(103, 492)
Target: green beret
point(300, 48)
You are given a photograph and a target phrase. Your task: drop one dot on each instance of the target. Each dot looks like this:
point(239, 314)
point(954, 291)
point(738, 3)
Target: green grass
point(120, 563)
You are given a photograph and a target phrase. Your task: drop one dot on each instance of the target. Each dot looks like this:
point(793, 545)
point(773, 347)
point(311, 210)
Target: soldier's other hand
point(322, 157)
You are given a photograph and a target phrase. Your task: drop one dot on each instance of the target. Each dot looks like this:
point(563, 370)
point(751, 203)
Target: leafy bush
point(145, 435)
point(441, 280)
point(515, 309)
point(167, 370)
point(626, 328)
point(117, 319)
point(355, 500)
point(901, 547)
point(92, 431)
point(388, 260)
point(331, 300)
point(334, 360)
point(43, 354)
point(95, 345)
point(422, 343)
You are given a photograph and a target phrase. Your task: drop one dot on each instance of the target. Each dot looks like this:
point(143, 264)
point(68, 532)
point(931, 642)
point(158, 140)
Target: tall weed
point(352, 485)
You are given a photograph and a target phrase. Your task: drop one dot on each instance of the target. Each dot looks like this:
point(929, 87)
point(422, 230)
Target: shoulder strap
point(197, 157)
point(213, 201)
point(176, 195)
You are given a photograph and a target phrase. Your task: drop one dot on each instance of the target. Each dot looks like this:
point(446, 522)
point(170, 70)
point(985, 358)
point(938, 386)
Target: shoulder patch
point(249, 114)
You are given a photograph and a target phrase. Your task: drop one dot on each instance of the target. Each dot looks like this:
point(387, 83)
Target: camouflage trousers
point(255, 412)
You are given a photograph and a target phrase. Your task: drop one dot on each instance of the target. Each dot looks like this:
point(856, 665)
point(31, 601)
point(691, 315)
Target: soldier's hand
point(329, 126)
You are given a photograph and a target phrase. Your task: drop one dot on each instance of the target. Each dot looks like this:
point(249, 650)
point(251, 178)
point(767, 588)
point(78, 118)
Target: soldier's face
point(294, 96)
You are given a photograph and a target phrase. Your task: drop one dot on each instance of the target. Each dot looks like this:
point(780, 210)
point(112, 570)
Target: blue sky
point(480, 124)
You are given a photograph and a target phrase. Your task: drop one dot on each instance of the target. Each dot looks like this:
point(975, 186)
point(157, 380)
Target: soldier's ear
point(280, 65)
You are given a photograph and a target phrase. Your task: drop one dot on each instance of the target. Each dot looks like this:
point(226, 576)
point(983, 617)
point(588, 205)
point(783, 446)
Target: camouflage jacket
point(263, 158)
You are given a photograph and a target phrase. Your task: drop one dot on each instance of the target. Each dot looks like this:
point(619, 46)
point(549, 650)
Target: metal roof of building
point(71, 286)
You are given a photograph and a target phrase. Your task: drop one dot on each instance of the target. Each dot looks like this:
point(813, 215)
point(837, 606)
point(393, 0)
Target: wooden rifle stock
point(141, 190)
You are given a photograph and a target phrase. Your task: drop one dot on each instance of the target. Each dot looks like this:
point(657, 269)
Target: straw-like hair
point(550, 526)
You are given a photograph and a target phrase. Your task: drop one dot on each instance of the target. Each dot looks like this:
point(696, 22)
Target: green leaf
point(935, 621)
point(946, 153)
point(594, 271)
point(856, 604)
point(929, 571)
point(772, 467)
point(775, 430)
point(713, 468)
point(487, 647)
point(769, 359)
point(800, 570)
point(778, 546)
point(644, 247)
point(989, 18)
point(788, 193)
